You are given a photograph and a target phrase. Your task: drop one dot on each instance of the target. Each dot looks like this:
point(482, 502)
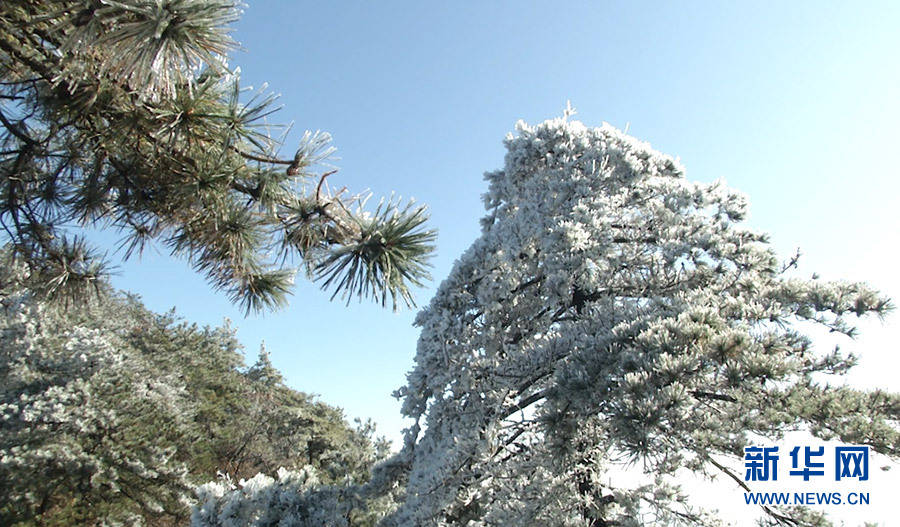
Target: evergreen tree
point(614, 311)
point(87, 431)
point(111, 414)
point(124, 114)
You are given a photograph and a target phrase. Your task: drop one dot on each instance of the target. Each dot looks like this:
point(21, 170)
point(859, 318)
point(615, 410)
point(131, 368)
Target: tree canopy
point(125, 115)
point(111, 414)
point(614, 311)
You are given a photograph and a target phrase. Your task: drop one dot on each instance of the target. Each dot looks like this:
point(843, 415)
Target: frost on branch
point(614, 311)
point(110, 413)
point(74, 415)
point(296, 498)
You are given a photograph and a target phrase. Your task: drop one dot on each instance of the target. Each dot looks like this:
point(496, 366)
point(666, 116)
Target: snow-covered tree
point(86, 431)
point(297, 498)
point(110, 414)
point(614, 311)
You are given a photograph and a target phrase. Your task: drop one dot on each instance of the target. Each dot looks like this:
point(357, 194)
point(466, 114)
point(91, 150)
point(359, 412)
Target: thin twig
point(262, 159)
point(321, 182)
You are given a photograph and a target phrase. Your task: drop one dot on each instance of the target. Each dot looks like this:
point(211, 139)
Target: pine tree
point(125, 115)
point(110, 414)
point(614, 311)
point(88, 427)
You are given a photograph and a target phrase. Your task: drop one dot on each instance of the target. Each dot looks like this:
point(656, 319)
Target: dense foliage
point(124, 114)
point(614, 311)
point(111, 414)
point(611, 312)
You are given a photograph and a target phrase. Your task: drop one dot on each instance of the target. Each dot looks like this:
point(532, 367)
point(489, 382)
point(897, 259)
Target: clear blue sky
point(794, 103)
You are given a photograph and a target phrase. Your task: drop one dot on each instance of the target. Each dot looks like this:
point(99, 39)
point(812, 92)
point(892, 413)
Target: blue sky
point(793, 103)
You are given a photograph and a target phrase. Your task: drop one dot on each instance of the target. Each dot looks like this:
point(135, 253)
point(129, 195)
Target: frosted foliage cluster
point(613, 311)
point(295, 499)
point(68, 400)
